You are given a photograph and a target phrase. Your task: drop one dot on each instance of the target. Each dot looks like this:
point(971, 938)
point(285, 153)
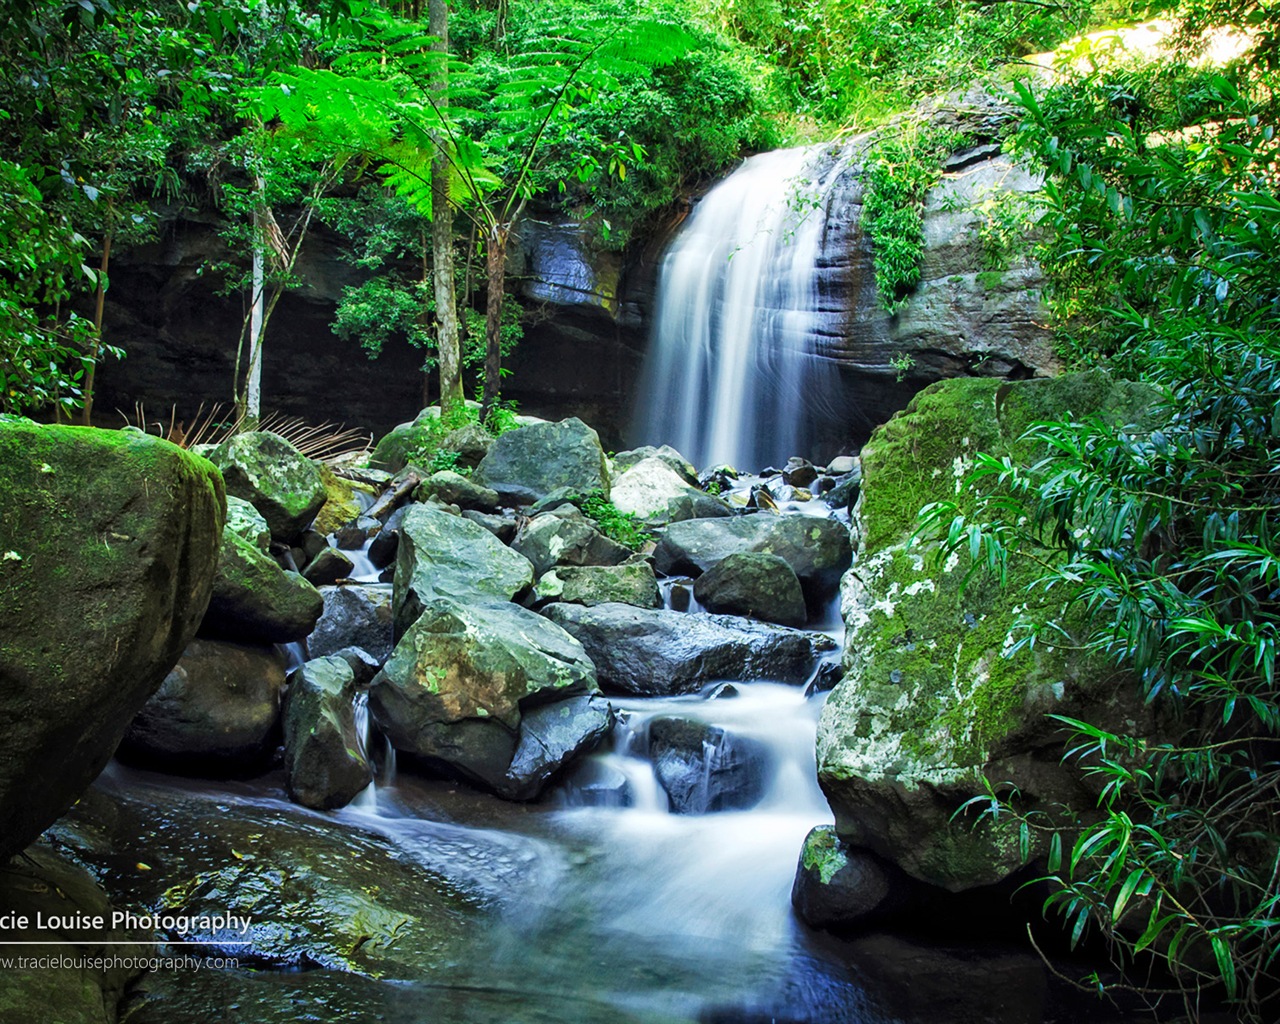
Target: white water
point(732, 370)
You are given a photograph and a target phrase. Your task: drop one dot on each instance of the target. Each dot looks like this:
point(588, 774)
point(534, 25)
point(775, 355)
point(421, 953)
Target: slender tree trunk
point(257, 321)
point(99, 306)
point(448, 347)
point(496, 271)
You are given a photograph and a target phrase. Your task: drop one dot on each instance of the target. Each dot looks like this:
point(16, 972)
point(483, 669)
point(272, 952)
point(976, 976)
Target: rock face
point(703, 768)
point(216, 713)
point(757, 585)
point(930, 703)
point(658, 653)
point(658, 494)
point(274, 477)
point(324, 759)
point(463, 676)
point(442, 555)
point(530, 462)
point(354, 616)
point(564, 536)
point(255, 601)
point(818, 550)
point(108, 544)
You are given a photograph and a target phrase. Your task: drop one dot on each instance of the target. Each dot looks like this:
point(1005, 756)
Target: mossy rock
point(632, 583)
point(324, 757)
point(935, 698)
point(255, 601)
point(341, 506)
point(108, 545)
point(272, 475)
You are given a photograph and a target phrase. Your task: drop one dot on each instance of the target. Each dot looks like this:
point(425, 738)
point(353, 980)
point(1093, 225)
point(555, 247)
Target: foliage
point(1162, 207)
point(901, 165)
point(624, 527)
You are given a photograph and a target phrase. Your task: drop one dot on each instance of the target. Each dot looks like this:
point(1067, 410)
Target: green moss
point(822, 853)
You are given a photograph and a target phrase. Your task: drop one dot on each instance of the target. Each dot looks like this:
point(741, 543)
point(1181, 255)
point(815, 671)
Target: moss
point(341, 505)
point(822, 853)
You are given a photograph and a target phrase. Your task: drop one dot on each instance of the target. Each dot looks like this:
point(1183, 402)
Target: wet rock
point(836, 886)
point(564, 536)
point(382, 552)
point(46, 883)
point(655, 653)
point(354, 615)
point(624, 461)
point(842, 465)
point(656, 493)
point(344, 501)
point(756, 585)
point(471, 442)
point(255, 601)
point(593, 783)
point(354, 535)
point(108, 545)
point(826, 678)
point(272, 475)
point(553, 736)
point(324, 759)
point(364, 666)
point(844, 490)
point(216, 713)
point(528, 463)
point(446, 556)
point(704, 768)
point(456, 687)
point(329, 566)
point(500, 526)
point(246, 521)
point(799, 472)
point(818, 550)
point(454, 489)
point(590, 585)
point(931, 708)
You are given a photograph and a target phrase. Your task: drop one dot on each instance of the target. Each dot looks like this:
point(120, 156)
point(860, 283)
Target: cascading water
point(734, 372)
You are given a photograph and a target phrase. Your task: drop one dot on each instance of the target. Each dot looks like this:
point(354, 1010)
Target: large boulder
point(935, 702)
point(453, 488)
point(655, 492)
point(462, 677)
point(325, 763)
point(681, 466)
point(446, 556)
point(818, 550)
point(274, 477)
point(216, 713)
point(754, 584)
point(344, 501)
point(630, 583)
point(551, 737)
point(255, 601)
point(564, 536)
point(530, 462)
point(354, 616)
point(108, 544)
point(650, 653)
point(704, 768)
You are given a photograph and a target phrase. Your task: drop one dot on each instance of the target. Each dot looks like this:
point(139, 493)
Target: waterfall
point(734, 372)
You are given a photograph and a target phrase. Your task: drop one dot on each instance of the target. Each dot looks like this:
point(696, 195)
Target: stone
point(818, 550)
point(246, 521)
point(528, 463)
point(49, 884)
point(108, 545)
point(934, 704)
point(325, 765)
point(650, 653)
point(354, 535)
point(704, 768)
point(382, 550)
point(256, 601)
point(590, 585)
point(552, 737)
point(842, 464)
point(272, 475)
point(364, 666)
point(345, 501)
point(216, 713)
point(441, 555)
point(500, 526)
point(329, 566)
point(456, 687)
point(753, 584)
point(799, 472)
point(564, 536)
point(355, 615)
point(454, 489)
point(471, 442)
point(836, 887)
point(682, 467)
point(844, 490)
point(657, 494)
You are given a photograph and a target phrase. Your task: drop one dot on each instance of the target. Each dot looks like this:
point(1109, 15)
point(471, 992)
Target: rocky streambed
point(482, 761)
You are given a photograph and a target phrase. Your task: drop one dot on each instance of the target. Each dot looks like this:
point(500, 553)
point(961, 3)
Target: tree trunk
point(496, 271)
point(448, 347)
point(251, 410)
point(100, 302)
